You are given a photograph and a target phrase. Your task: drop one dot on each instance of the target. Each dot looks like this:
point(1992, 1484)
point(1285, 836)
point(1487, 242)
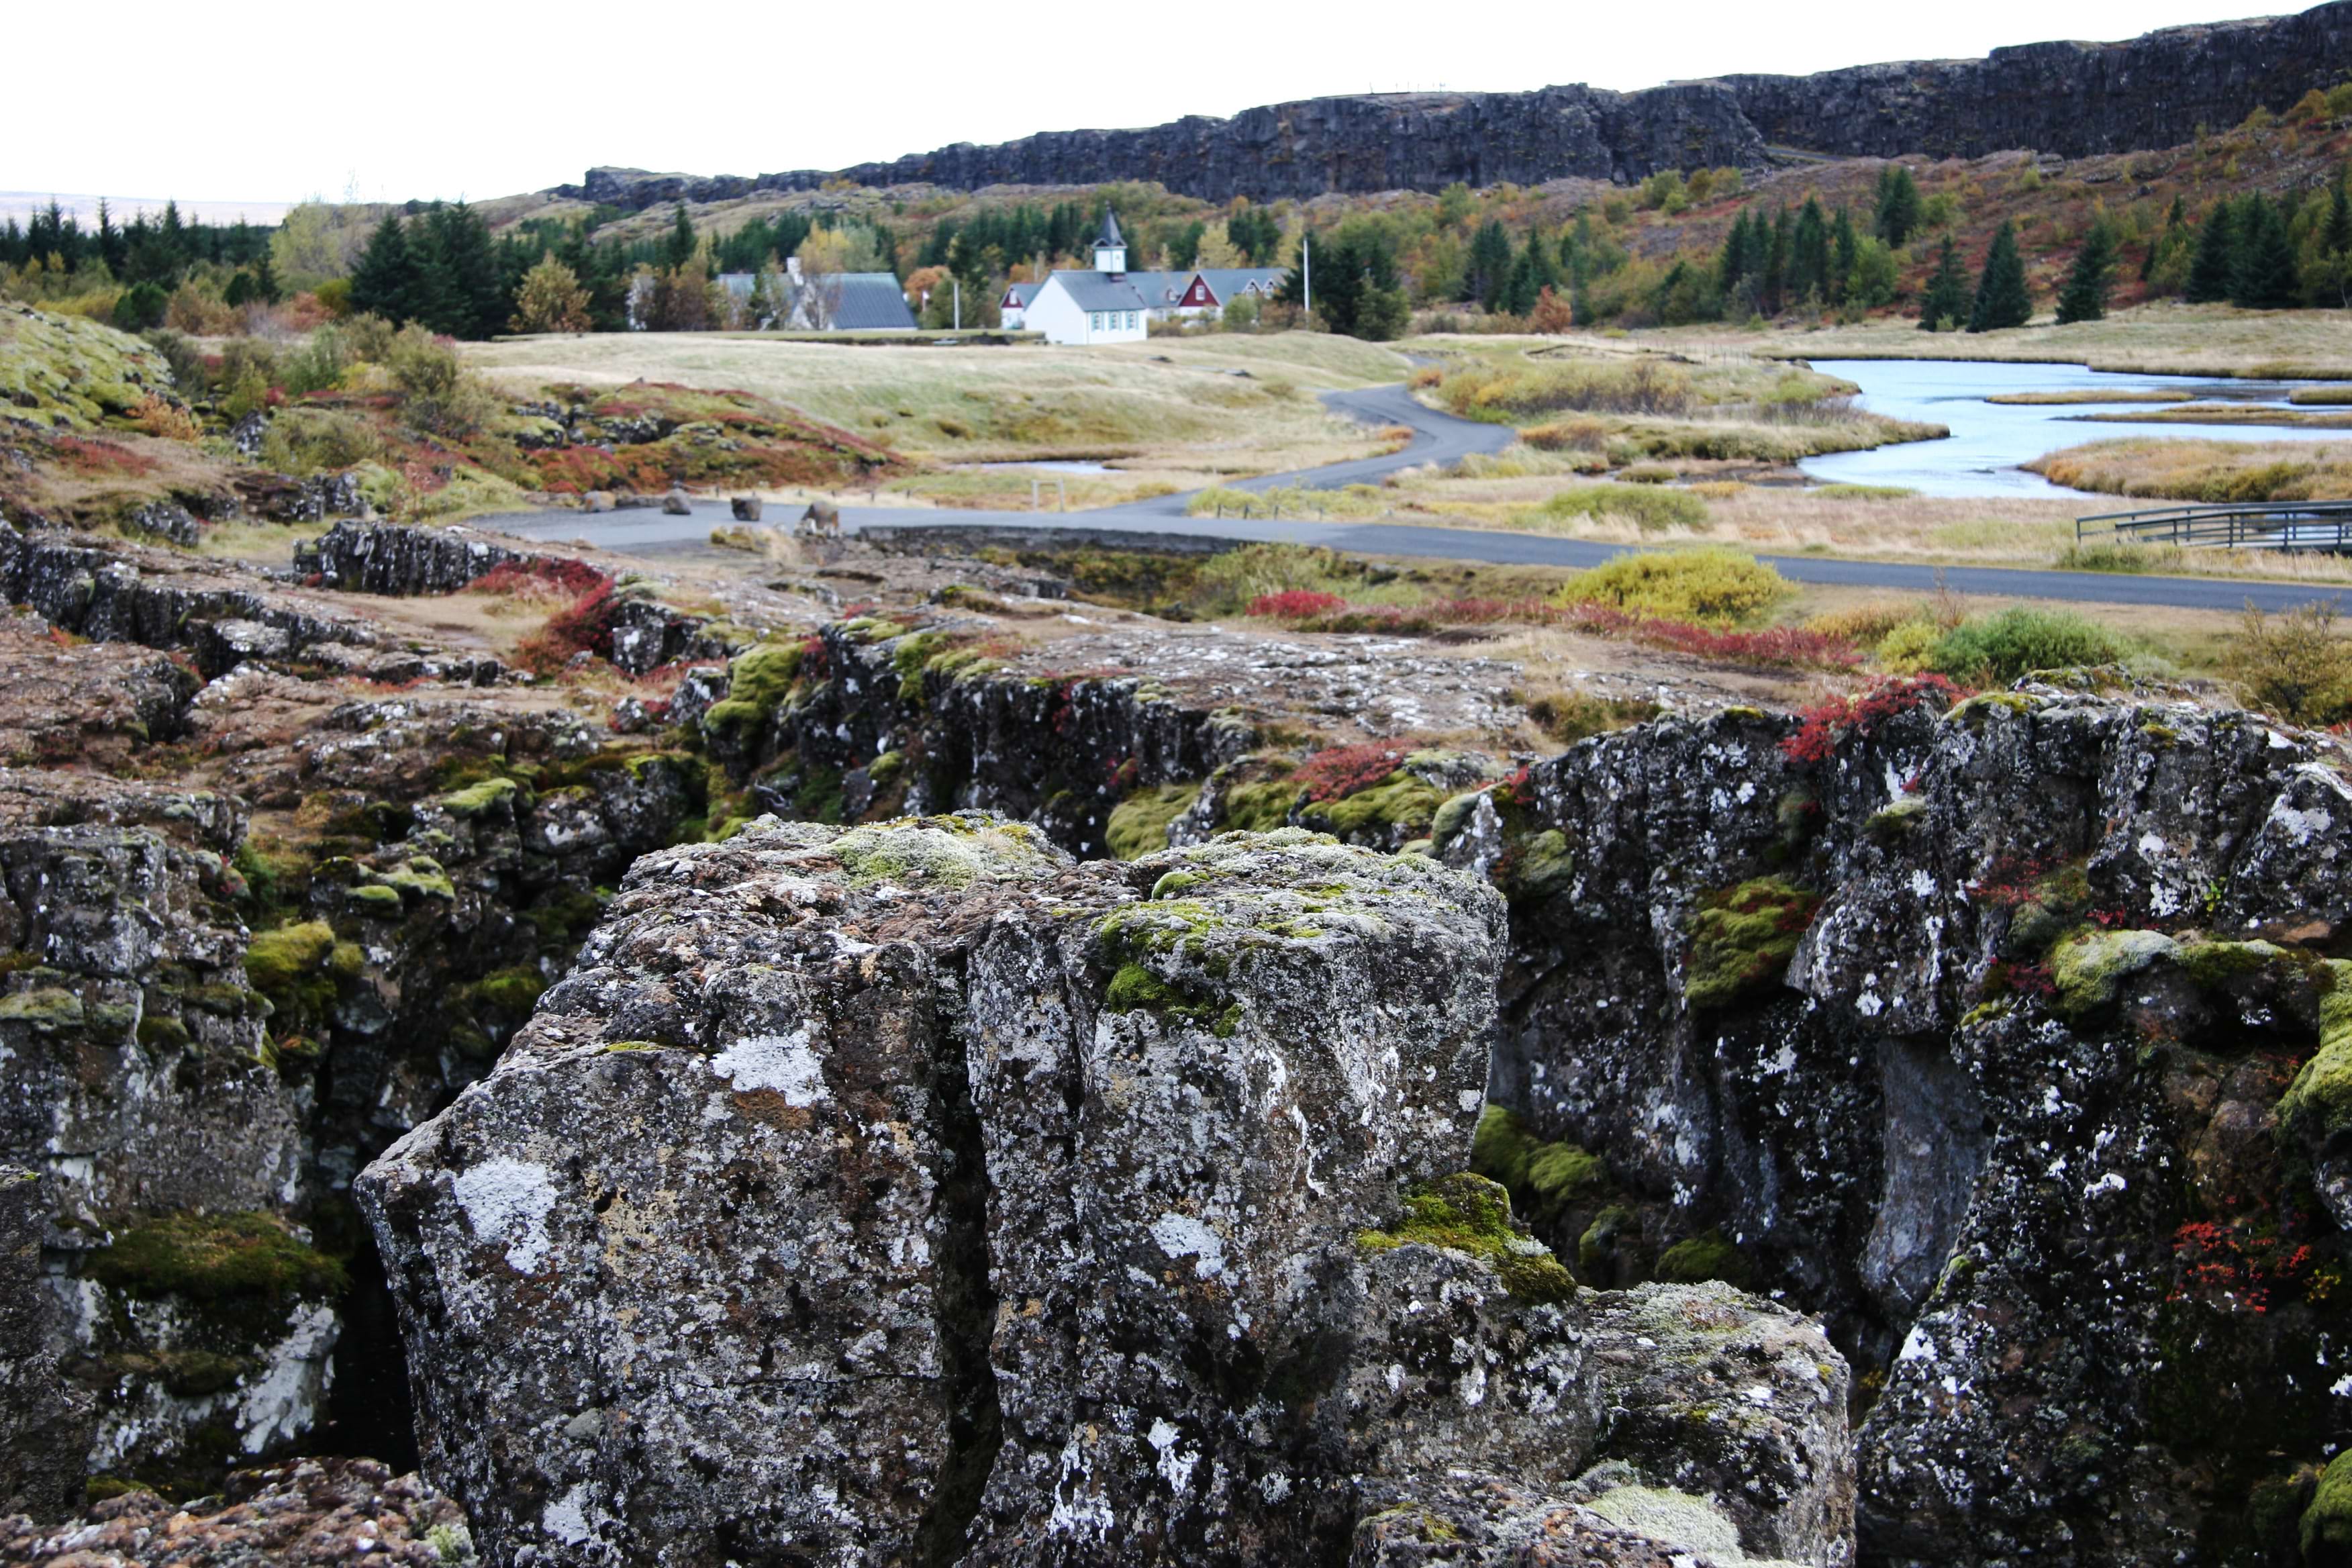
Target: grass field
point(2162, 338)
point(1188, 410)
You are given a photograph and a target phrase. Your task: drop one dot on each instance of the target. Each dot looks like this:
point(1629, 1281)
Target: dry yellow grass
point(2194, 470)
point(1176, 401)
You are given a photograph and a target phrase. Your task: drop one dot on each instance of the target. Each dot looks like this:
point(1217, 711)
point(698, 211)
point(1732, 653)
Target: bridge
point(2238, 525)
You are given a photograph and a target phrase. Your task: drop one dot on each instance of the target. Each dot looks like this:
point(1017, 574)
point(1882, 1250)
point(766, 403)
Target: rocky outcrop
point(1975, 1032)
point(908, 1193)
point(2069, 99)
point(401, 559)
point(131, 594)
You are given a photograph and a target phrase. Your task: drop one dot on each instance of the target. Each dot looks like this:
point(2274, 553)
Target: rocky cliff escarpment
point(2069, 99)
point(2010, 1039)
point(912, 1194)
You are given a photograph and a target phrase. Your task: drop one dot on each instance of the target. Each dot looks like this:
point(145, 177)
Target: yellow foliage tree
point(550, 301)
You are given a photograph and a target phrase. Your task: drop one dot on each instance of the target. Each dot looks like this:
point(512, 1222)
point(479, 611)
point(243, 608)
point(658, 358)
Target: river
point(1989, 441)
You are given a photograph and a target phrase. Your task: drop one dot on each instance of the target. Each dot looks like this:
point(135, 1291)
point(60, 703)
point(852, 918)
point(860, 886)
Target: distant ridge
point(2069, 99)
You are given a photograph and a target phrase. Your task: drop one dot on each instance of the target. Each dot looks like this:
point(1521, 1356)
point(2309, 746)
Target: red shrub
point(585, 626)
point(1827, 723)
point(1344, 770)
point(542, 573)
point(1295, 605)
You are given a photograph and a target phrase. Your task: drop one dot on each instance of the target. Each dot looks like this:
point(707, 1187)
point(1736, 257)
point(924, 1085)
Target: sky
point(438, 100)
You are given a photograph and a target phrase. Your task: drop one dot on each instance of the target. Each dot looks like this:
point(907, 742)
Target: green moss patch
point(1139, 824)
point(481, 798)
point(2325, 1534)
point(1399, 801)
point(1548, 1174)
point(2088, 965)
point(1743, 938)
point(1708, 1256)
point(212, 1257)
point(947, 852)
point(47, 1009)
point(1471, 1214)
point(2318, 1104)
point(758, 683)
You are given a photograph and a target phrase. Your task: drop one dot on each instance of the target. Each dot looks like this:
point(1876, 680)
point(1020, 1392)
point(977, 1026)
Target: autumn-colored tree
point(550, 301)
point(1552, 313)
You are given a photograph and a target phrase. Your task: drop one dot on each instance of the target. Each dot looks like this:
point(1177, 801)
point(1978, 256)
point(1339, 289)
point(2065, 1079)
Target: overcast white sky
point(267, 101)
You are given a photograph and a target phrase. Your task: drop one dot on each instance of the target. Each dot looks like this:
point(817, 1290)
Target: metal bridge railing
point(2248, 525)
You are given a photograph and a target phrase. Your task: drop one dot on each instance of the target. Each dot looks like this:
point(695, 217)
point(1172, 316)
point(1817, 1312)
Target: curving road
point(1440, 438)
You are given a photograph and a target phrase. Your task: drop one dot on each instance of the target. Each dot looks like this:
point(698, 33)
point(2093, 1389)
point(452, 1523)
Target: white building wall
point(1056, 314)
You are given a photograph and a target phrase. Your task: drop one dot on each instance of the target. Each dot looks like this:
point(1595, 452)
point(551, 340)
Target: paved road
point(1437, 439)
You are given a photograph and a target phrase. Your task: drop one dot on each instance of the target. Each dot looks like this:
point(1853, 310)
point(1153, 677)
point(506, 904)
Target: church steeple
point(1110, 245)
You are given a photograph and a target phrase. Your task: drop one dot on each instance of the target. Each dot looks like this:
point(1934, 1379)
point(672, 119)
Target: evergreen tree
point(2336, 236)
point(2215, 264)
point(679, 249)
point(1898, 218)
point(1946, 301)
point(111, 246)
point(469, 299)
point(1731, 265)
point(384, 282)
point(1809, 259)
point(2263, 276)
point(2083, 296)
point(1489, 277)
point(1844, 248)
point(2003, 299)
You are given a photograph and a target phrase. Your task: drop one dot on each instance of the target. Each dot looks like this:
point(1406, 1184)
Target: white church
point(1112, 305)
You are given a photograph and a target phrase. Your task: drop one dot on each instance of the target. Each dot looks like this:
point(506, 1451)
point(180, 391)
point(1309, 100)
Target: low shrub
point(1713, 587)
point(2022, 639)
point(1647, 507)
point(1343, 770)
point(1825, 724)
point(1295, 605)
point(303, 440)
point(1864, 623)
point(2293, 665)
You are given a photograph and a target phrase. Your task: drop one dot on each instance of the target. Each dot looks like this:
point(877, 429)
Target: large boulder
point(912, 1192)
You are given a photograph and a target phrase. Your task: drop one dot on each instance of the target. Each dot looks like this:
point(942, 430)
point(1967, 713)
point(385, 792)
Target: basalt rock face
point(2011, 1040)
point(912, 1194)
point(2069, 99)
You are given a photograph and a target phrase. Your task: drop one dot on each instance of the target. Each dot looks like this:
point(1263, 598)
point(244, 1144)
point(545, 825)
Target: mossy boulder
point(70, 372)
point(2088, 965)
point(1471, 1214)
point(758, 681)
point(1742, 939)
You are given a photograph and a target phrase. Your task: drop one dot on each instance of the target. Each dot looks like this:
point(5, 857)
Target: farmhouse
point(1112, 305)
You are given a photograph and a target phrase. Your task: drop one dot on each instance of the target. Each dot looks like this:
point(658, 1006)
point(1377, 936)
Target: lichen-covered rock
point(1972, 1031)
point(1191, 1106)
point(911, 1193)
point(45, 1420)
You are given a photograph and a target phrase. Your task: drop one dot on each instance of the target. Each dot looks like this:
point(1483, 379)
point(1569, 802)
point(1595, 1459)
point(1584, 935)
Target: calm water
point(1989, 440)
